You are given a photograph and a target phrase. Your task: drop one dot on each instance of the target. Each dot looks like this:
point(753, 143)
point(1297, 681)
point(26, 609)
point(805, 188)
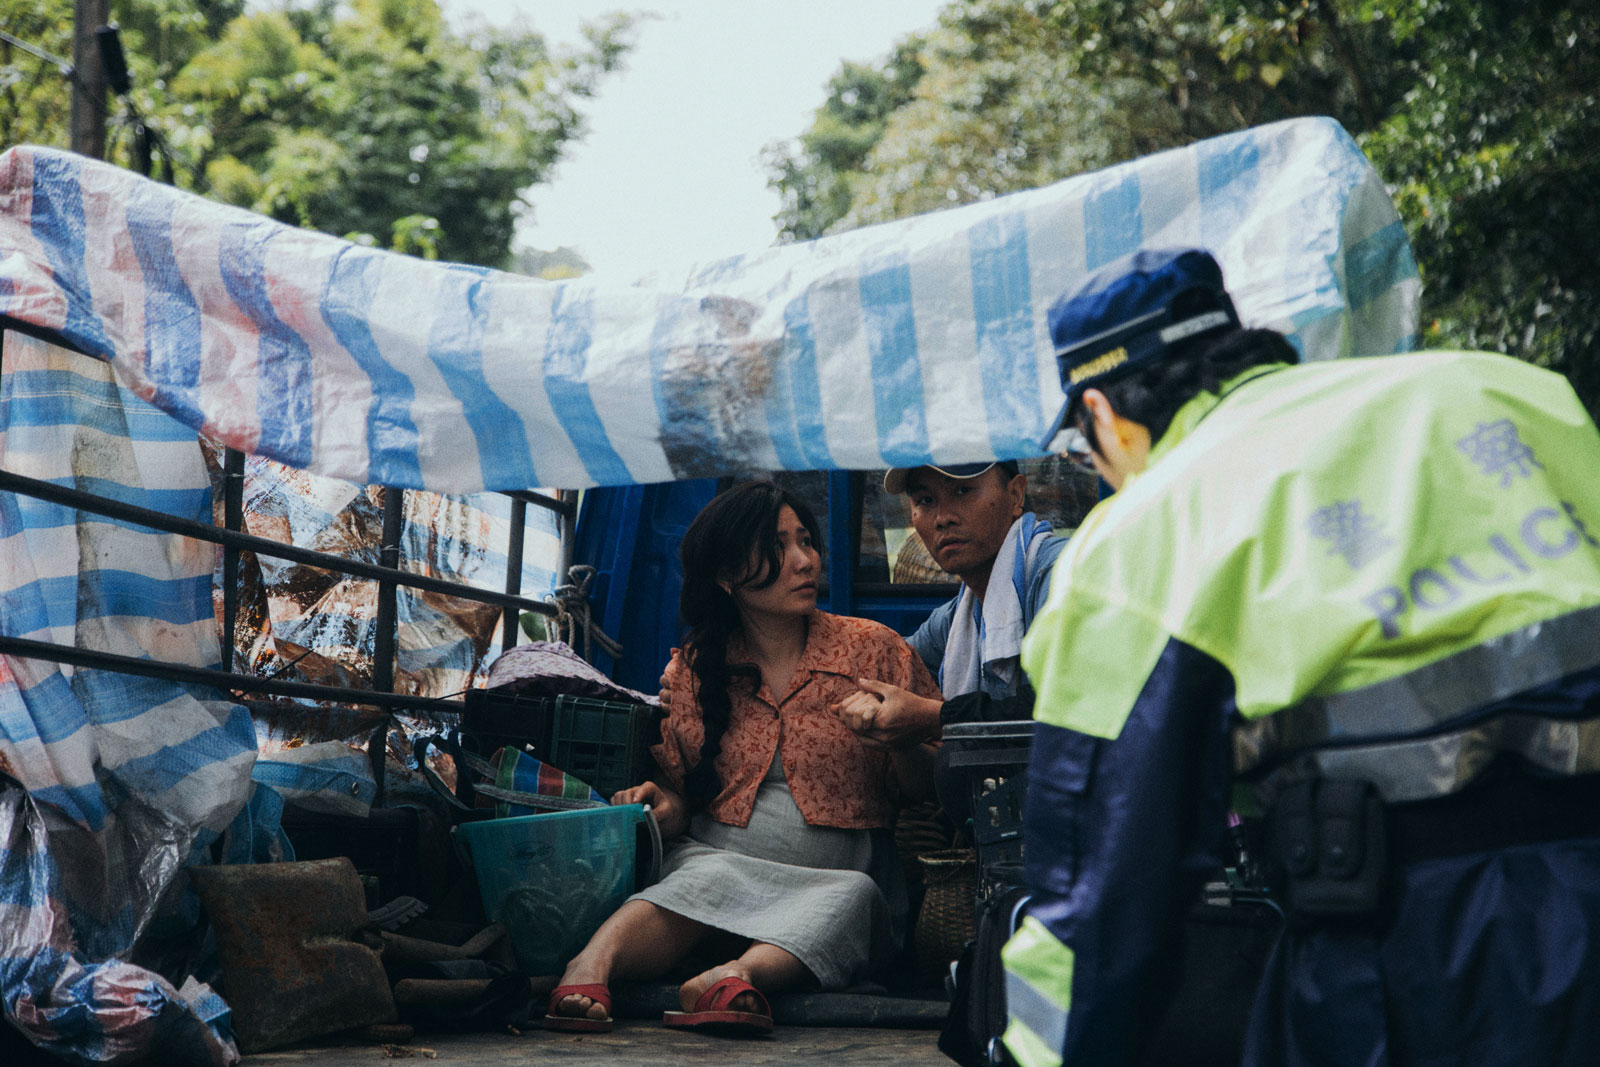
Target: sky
point(670, 172)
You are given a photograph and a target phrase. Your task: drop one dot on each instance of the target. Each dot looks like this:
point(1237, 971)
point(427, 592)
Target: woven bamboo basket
point(919, 830)
point(945, 924)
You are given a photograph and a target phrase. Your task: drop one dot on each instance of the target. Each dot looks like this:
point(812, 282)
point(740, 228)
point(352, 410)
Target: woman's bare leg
point(640, 940)
point(767, 967)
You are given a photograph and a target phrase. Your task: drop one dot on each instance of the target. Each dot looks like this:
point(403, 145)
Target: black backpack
point(1217, 962)
point(977, 985)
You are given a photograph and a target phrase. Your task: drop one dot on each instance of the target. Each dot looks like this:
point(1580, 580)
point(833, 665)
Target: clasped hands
point(886, 717)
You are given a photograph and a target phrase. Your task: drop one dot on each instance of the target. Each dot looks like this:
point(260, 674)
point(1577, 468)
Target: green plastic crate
point(605, 743)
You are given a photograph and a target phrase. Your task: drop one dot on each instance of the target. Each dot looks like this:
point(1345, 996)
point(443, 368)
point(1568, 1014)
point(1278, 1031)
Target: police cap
point(1131, 314)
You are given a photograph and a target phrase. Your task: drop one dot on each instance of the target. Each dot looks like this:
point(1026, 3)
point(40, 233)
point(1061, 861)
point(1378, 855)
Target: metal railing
point(233, 540)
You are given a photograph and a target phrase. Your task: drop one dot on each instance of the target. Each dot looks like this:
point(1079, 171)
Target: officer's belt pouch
point(1329, 837)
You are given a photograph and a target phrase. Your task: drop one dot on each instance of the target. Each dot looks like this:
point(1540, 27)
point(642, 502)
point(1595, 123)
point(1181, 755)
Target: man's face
point(963, 521)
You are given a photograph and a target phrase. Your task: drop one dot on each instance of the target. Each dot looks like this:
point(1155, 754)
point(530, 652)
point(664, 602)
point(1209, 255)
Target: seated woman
point(783, 818)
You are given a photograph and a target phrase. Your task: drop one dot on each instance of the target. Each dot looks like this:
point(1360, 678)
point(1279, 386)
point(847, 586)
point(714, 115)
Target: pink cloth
point(552, 668)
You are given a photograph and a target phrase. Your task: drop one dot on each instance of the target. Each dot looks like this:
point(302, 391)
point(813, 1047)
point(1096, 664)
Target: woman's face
point(795, 591)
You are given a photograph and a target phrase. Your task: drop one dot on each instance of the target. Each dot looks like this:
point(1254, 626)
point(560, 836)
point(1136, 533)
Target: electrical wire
point(65, 65)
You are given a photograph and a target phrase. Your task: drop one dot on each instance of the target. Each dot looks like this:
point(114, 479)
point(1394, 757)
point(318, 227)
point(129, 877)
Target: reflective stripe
point(1428, 696)
point(1038, 993)
point(1028, 1048)
point(1189, 327)
point(1041, 1015)
point(1425, 768)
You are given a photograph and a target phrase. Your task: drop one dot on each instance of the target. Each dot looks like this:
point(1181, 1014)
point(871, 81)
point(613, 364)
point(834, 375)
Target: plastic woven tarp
point(124, 780)
point(127, 780)
point(299, 621)
point(891, 345)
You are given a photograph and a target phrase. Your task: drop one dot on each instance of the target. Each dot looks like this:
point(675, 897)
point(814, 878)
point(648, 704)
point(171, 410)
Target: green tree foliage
point(35, 103)
point(1491, 150)
point(1481, 114)
point(1017, 93)
point(816, 177)
point(367, 118)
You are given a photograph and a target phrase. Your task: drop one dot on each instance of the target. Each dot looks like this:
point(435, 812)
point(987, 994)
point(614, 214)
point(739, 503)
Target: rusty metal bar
point(232, 519)
point(156, 520)
point(509, 628)
point(152, 668)
point(569, 533)
point(561, 505)
point(385, 639)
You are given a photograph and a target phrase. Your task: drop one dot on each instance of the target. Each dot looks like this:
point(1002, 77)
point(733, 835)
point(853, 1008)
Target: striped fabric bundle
point(892, 345)
point(329, 777)
point(522, 773)
point(127, 779)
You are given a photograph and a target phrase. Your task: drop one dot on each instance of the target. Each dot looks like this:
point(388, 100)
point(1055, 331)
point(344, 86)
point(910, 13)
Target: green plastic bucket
point(552, 879)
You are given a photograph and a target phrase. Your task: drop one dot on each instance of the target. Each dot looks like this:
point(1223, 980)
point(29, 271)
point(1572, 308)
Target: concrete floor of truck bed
point(859, 1027)
point(632, 1042)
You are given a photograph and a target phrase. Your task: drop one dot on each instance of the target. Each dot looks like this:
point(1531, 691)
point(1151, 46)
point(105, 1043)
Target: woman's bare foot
point(579, 972)
point(691, 991)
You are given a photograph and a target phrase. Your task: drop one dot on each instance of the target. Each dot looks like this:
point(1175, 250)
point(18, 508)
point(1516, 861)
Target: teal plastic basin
point(552, 879)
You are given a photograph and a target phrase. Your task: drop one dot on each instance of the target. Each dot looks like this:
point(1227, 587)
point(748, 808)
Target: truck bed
point(863, 1026)
point(633, 1042)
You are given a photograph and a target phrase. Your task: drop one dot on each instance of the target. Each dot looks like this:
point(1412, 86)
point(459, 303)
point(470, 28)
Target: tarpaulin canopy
point(891, 345)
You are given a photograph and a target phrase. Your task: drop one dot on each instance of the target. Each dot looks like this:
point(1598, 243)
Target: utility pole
point(88, 78)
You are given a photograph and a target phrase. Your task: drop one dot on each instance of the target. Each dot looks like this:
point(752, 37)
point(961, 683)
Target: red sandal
point(711, 1011)
point(579, 1023)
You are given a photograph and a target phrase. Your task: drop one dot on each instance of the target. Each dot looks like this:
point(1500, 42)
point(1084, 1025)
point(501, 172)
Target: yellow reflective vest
point(1342, 562)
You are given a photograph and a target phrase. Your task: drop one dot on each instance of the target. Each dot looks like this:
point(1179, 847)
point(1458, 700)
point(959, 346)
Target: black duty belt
point(1335, 842)
point(1504, 811)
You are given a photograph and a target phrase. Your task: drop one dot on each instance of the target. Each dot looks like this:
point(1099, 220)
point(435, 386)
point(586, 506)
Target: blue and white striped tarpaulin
point(891, 345)
point(127, 779)
point(124, 779)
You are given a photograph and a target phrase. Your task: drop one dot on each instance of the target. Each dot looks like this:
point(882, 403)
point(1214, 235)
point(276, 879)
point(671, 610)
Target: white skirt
point(833, 898)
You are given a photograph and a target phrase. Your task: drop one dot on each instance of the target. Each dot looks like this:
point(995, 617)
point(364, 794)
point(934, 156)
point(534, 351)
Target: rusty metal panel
point(292, 938)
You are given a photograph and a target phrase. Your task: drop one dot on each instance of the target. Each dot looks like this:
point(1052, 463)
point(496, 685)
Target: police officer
point(1363, 594)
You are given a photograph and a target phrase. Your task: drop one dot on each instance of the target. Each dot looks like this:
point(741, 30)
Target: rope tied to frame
point(572, 616)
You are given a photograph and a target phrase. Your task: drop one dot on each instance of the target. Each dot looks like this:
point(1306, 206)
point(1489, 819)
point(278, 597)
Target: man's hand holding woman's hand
point(887, 717)
point(671, 810)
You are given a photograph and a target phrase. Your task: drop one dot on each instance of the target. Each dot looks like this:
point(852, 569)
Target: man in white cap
point(974, 521)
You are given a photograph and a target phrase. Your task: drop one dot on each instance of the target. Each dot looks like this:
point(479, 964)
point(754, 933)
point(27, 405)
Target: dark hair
point(734, 538)
point(1152, 396)
point(1009, 469)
